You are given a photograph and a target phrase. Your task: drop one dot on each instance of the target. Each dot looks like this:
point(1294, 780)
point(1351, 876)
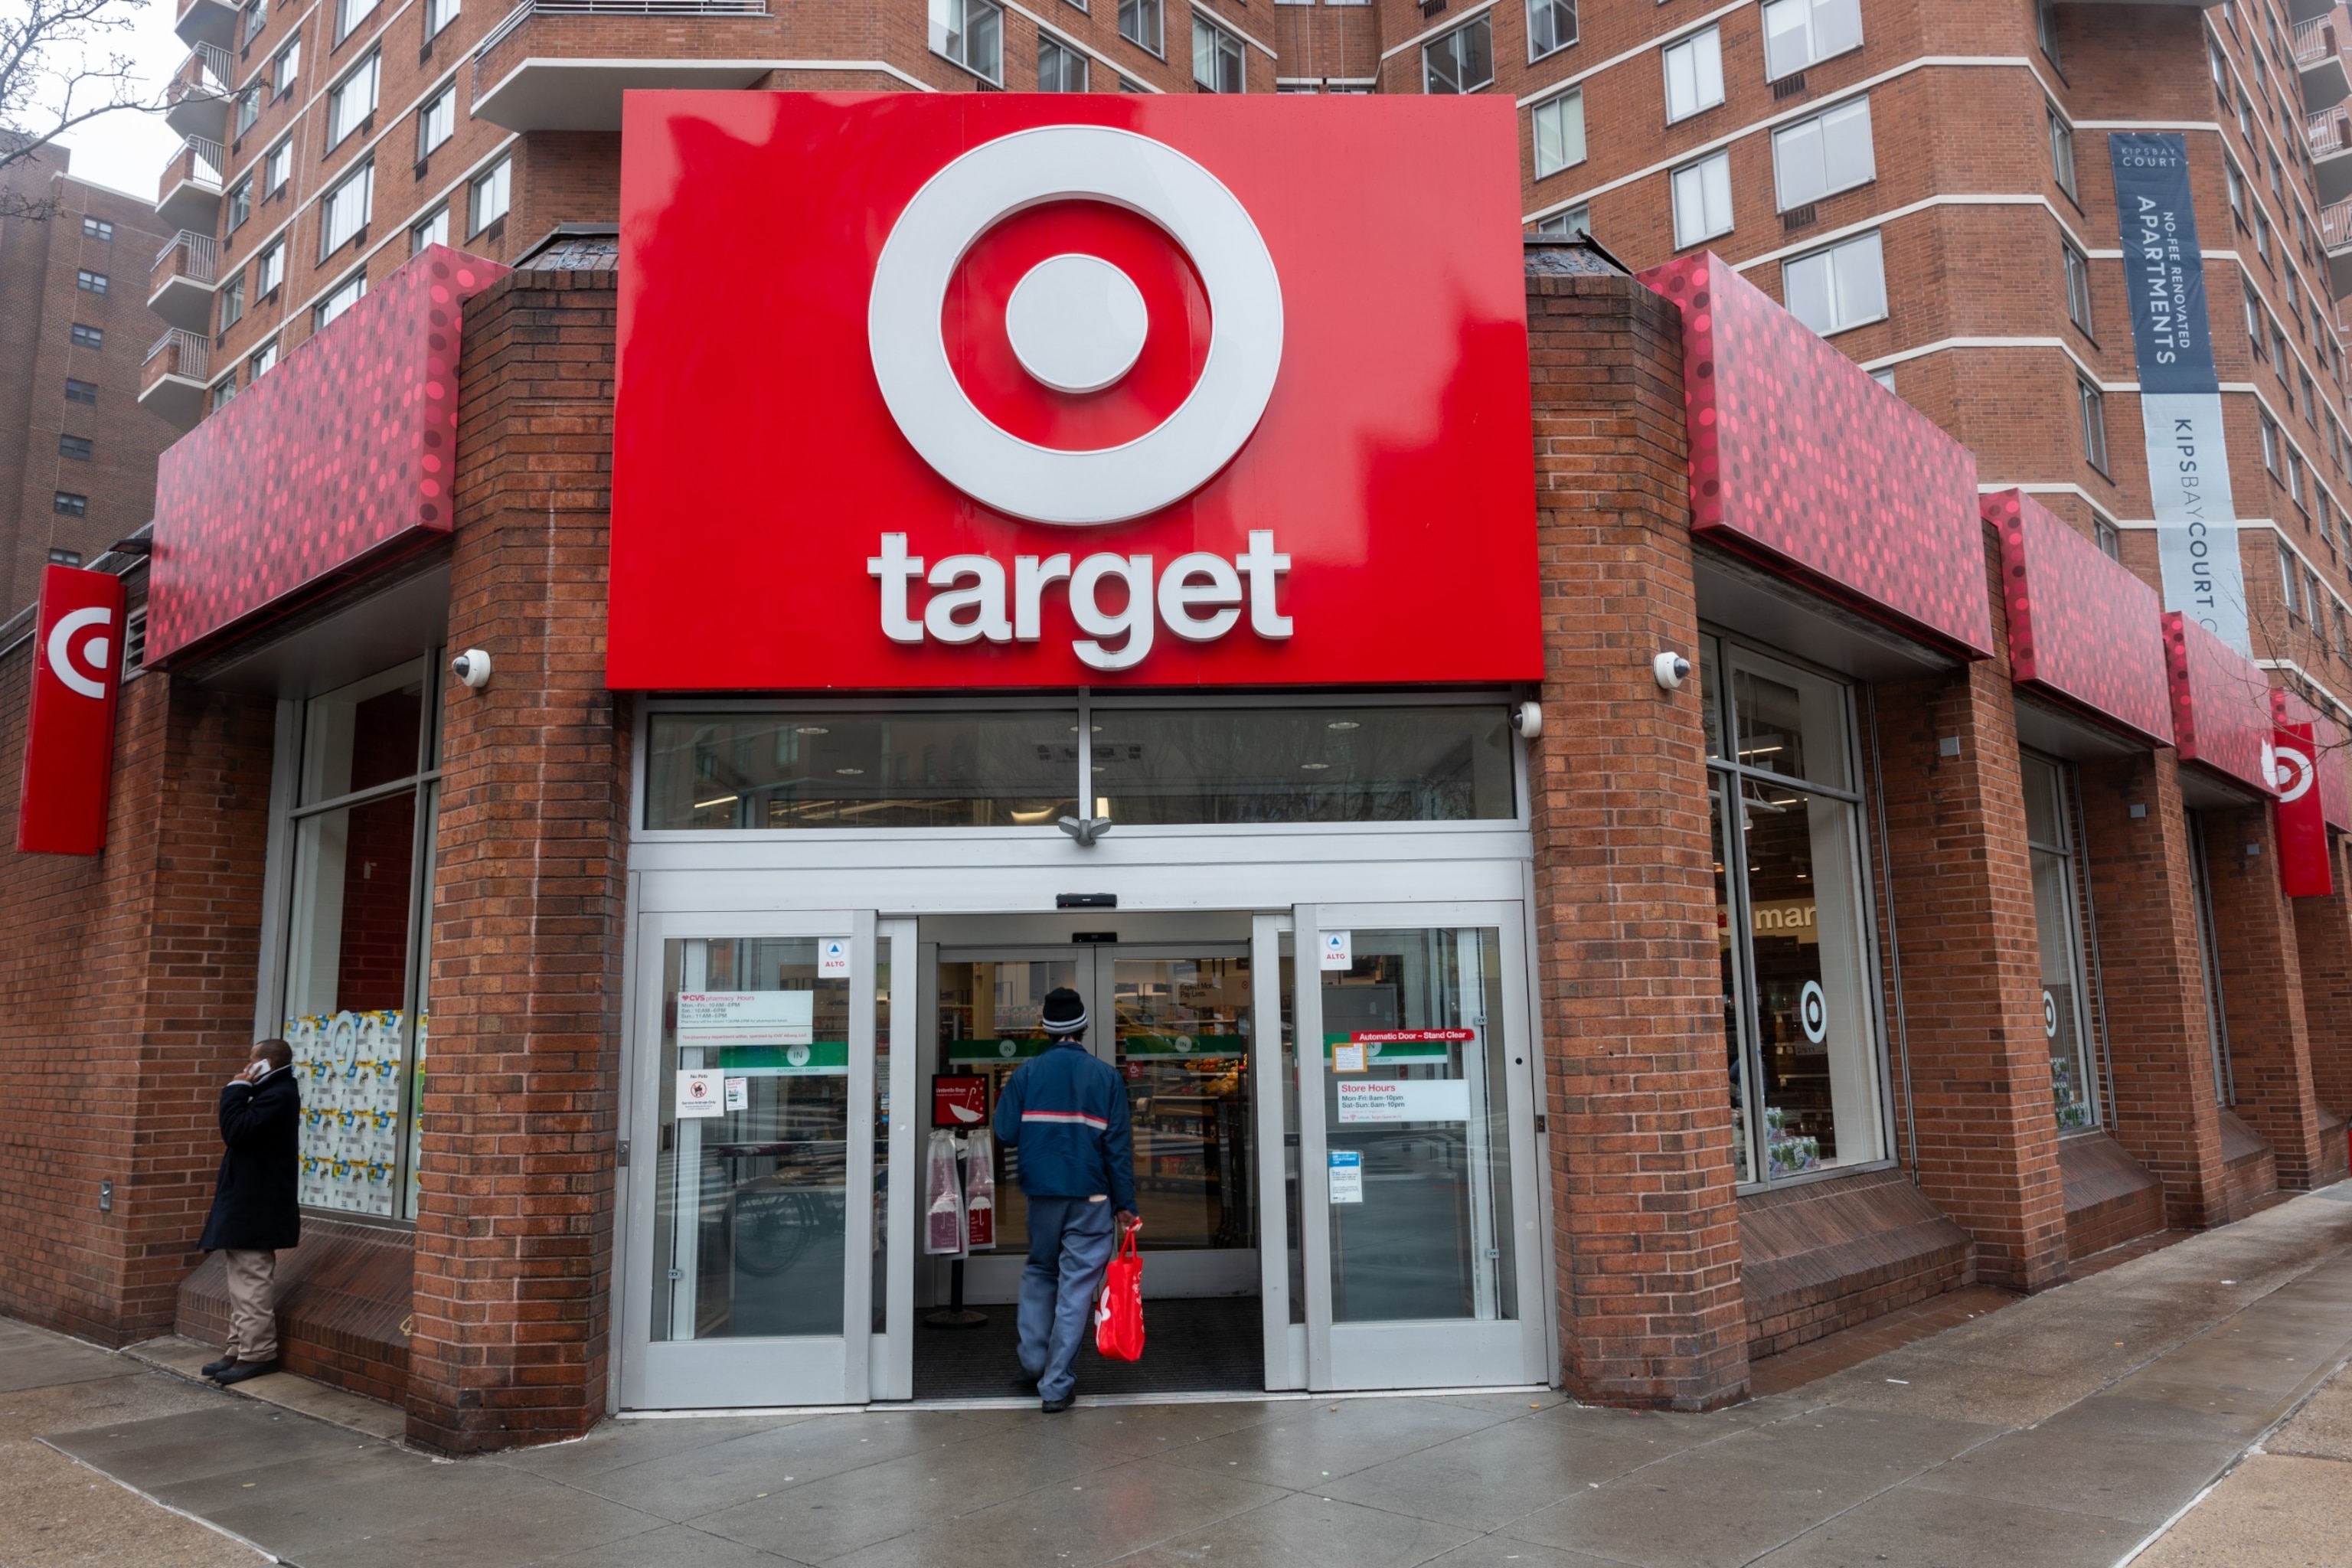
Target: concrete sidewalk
point(2070, 1428)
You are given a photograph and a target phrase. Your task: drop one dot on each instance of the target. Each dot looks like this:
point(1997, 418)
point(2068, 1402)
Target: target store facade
point(1600, 851)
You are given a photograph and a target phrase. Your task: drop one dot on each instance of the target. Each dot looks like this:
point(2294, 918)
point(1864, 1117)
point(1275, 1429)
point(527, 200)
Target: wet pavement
point(2075, 1427)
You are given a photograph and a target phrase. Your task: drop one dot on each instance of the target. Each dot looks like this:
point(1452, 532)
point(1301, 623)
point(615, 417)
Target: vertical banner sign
point(69, 740)
point(2179, 396)
point(2304, 862)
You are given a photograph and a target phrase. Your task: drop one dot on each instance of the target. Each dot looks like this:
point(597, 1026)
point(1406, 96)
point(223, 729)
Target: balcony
point(172, 380)
point(2318, 47)
point(2335, 240)
point(180, 286)
point(190, 189)
point(207, 22)
point(562, 65)
point(196, 101)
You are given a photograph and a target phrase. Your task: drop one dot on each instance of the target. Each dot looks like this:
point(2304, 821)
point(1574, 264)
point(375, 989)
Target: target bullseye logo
point(1813, 1012)
point(2290, 772)
point(1077, 324)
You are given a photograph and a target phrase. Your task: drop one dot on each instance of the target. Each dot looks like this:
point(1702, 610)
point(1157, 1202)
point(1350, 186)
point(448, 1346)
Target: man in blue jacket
point(1066, 1112)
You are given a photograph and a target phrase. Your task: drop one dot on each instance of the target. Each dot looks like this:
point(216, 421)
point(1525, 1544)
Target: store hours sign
point(1010, 390)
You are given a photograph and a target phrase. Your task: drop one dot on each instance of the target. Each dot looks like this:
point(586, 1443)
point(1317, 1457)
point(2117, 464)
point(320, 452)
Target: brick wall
point(2324, 945)
point(1646, 1226)
point(514, 1233)
point(2261, 989)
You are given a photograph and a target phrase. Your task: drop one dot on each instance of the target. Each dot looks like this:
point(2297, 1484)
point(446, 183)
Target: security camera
point(472, 668)
point(1528, 718)
point(1672, 670)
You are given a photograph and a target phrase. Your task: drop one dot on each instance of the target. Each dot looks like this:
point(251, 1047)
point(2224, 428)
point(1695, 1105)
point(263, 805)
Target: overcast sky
point(128, 150)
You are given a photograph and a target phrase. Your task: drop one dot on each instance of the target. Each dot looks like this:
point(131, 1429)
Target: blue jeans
point(1070, 1242)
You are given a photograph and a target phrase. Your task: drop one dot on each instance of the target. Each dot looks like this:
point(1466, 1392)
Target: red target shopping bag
point(1119, 1313)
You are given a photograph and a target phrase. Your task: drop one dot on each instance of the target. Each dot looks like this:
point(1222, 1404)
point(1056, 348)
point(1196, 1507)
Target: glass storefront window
point(749, 1205)
point(935, 766)
point(1800, 1021)
point(2058, 921)
point(1183, 1048)
point(990, 1020)
point(1414, 1089)
point(353, 1005)
point(1292, 764)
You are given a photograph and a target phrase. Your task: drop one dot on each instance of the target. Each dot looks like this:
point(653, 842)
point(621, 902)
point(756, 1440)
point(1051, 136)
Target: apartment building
point(76, 451)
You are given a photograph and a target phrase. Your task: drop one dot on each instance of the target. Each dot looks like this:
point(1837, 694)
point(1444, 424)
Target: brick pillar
point(1963, 912)
point(514, 1236)
point(2261, 989)
point(2152, 974)
point(2323, 929)
point(1648, 1225)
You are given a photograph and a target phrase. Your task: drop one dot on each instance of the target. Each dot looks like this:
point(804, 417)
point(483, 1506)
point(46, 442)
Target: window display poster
point(1347, 1175)
point(958, 1099)
point(1407, 1100)
point(699, 1093)
point(746, 1017)
point(738, 1093)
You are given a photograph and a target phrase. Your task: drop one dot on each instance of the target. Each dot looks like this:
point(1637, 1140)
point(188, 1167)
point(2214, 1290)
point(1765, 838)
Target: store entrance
point(1178, 1021)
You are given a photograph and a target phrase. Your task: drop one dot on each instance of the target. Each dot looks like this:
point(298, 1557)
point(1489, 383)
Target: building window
point(1574, 224)
point(439, 13)
point(1693, 73)
point(285, 69)
point(222, 391)
point(2279, 357)
point(2078, 285)
point(67, 504)
point(1837, 287)
point(2343, 634)
point(2270, 445)
point(352, 99)
point(360, 892)
point(1798, 33)
point(240, 204)
point(2290, 584)
point(276, 166)
point(349, 14)
point(344, 214)
point(2295, 476)
point(2093, 405)
point(2237, 187)
point(83, 392)
point(1060, 69)
point(231, 300)
point(2110, 539)
point(78, 447)
point(1821, 156)
point(90, 282)
point(97, 228)
point(1800, 1021)
point(486, 201)
point(971, 34)
point(256, 16)
point(2314, 598)
point(268, 270)
point(1217, 60)
point(2046, 27)
point(2062, 153)
point(1139, 23)
point(2050, 836)
point(2310, 397)
point(1551, 25)
point(1885, 377)
point(346, 294)
point(249, 108)
point(437, 120)
point(1702, 200)
point(1460, 61)
point(1559, 133)
point(88, 337)
point(263, 360)
point(433, 230)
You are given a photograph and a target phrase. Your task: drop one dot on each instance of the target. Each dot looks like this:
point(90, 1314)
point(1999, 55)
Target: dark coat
point(254, 1206)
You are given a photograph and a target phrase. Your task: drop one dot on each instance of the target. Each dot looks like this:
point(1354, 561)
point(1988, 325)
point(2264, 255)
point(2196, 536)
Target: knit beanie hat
point(1065, 1013)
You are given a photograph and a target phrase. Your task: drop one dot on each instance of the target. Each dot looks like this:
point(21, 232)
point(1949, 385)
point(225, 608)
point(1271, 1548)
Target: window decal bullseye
point(1065, 163)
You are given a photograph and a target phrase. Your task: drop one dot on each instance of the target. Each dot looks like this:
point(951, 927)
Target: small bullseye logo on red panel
point(2290, 772)
point(1077, 323)
point(84, 667)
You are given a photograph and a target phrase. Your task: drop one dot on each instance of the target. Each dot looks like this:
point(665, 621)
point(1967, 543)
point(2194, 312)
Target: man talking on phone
point(1066, 1112)
point(255, 1214)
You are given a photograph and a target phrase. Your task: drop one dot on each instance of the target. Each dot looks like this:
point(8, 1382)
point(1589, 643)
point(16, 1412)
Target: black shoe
point(214, 1368)
point(248, 1369)
point(1055, 1406)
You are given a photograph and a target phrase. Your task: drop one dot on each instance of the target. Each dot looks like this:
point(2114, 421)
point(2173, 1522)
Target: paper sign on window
point(700, 1094)
point(1338, 950)
point(833, 958)
point(1422, 1099)
point(746, 1017)
point(1347, 1175)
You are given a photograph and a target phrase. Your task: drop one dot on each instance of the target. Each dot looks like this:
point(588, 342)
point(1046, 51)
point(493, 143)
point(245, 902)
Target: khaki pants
point(252, 1316)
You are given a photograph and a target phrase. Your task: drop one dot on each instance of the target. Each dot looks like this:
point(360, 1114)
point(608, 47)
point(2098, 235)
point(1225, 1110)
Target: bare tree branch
point(57, 71)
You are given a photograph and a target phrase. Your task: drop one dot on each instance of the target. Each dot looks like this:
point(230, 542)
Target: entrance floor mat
point(1210, 1346)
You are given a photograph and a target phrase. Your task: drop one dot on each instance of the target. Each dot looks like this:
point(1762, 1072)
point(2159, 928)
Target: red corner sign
point(69, 743)
point(2303, 870)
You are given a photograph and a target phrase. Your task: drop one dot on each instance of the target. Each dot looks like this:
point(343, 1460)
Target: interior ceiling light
point(811, 730)
point(1314, 767)
point(1343, 724)
point(851, 772)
